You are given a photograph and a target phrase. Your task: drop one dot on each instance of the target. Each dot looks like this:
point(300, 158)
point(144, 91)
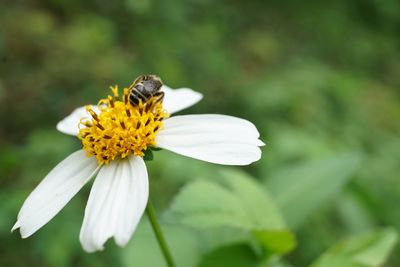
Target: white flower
point(114, 137)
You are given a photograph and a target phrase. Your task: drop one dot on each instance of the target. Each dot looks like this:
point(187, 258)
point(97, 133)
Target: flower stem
point(151, 213)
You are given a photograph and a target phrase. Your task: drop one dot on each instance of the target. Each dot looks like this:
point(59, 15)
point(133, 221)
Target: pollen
point(121, 129)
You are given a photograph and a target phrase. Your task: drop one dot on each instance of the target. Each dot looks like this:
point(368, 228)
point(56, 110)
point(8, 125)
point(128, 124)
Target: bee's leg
point(159, 97)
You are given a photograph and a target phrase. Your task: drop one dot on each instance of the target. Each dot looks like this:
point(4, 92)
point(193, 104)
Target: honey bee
point(145, 87)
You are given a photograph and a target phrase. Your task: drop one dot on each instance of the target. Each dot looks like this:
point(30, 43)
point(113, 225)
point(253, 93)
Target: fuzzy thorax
point(121, 129)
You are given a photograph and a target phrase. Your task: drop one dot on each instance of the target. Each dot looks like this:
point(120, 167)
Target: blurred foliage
point(367, 250)
point(319, 79)
point(240, 204)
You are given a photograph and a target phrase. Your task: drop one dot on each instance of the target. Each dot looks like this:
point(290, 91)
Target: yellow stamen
point(121, 129)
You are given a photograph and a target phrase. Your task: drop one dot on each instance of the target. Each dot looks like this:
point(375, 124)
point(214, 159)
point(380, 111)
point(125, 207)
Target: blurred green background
point(319, 79)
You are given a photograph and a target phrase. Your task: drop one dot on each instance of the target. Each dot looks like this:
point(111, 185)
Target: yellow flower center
point(121, 129)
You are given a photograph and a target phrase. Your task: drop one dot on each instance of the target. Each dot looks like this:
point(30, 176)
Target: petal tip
point(24, 235)
point(59, 126)
point(260, 143)
point(122, 241)
point(89, 245)
point(15, 227)
point(198, 94)
point(178, 99)
point(91, 250)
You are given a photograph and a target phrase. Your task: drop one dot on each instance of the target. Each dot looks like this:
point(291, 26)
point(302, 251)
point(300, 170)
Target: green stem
point(151, 213)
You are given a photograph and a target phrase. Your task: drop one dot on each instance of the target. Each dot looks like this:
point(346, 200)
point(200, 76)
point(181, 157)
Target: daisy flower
point(115, 136)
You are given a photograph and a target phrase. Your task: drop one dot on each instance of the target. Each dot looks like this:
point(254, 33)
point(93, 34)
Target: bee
point(145, 87)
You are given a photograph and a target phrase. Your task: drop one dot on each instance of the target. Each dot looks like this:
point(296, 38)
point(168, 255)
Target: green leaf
point(277, 241)
point(233, 256)
point(302, 188)
point(223, 236)
point(148, 155)
point(354, 213)
point(236, 201)
point(275, 261)
point(367, 250)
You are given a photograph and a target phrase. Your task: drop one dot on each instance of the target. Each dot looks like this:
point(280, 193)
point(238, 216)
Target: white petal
point(69, 125)
point(116, 203)
point(54, 192)
point(218, 139)
point(178, 99)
